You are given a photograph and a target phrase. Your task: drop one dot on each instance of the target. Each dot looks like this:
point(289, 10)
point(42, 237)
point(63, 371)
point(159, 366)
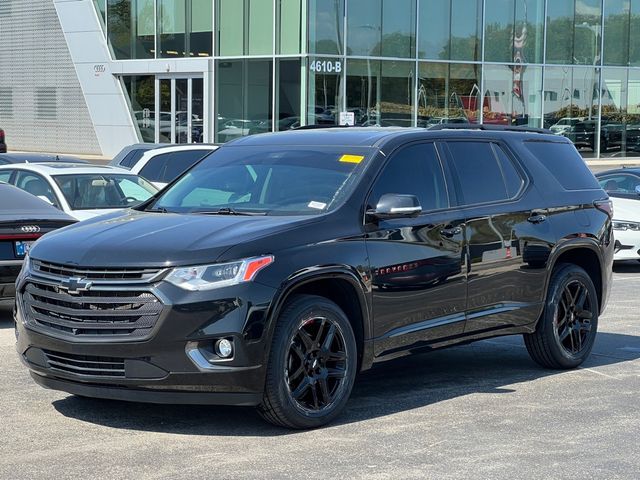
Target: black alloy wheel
point(312, 364)
point(573, 317)
point(567, 328)
point(316, 364)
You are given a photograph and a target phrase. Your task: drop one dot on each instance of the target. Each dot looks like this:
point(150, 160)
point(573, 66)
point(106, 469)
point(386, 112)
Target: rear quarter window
point(565, 163)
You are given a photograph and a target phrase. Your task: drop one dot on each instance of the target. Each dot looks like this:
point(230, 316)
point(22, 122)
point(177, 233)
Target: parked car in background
point(3, 144)
point(283, 264)
point(80, 191)
point(623, 187)
point(563, 125)
point(23, 219)
point(583, 134)
point(7, 158)
point(163, 165)
point(129, 156)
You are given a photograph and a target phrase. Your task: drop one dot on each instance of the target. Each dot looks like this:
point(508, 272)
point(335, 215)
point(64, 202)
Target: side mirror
point(395, 205)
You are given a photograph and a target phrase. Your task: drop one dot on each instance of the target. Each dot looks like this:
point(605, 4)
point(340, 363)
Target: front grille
point(95, 312)
point(58, 271)
point(85, 364)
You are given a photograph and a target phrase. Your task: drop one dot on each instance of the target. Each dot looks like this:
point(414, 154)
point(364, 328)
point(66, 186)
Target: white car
point(162, 165)
point(623, 187)
point(82, 191)
point(564, 125)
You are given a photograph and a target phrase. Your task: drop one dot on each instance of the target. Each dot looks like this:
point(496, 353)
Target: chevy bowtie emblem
point(30, 229)
point(75, 285)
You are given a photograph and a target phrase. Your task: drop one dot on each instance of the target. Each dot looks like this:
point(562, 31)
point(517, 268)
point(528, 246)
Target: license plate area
point(22, 247)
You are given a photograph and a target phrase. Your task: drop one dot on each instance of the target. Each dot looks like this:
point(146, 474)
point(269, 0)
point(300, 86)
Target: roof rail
point(492, 128)
point(317, 126)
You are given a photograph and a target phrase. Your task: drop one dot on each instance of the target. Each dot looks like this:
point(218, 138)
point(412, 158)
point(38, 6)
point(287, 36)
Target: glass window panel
point(244, 98)
point(634, 34)
point(466, 30)
point(290, 34)
point(364, 27)
point(172, 28)
point(512, 95)
point(588, 29)
point(141, 93)
point(101, 9)
point(326, 26)
point(380, 92)
point(618, 129)
point(499, 30)
point(201, 37)
point(197, 110)
point(131, 25)
point(325, 94)
point(616, 32)
point(164, 122)
point(434, 26)
point(288, 104)
point(398, 28)
point(230, 27)
point(560, 23)
point(260, 27)
point(448, 93)
point(529, 30)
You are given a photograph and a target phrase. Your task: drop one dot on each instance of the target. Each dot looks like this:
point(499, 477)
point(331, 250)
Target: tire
point(568, 325)
point(308, 383)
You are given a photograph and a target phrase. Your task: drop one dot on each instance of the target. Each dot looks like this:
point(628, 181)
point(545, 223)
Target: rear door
point(418, 279)
point(503, 230)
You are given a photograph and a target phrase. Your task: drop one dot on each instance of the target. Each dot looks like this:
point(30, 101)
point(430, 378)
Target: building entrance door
point(180, 110)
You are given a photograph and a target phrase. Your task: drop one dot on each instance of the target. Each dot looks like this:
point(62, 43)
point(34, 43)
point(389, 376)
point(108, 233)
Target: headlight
point(26, 265)
point(208, 277)
point(623, 225)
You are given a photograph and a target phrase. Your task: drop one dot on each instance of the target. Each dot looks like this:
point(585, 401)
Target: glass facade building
point(569, 65)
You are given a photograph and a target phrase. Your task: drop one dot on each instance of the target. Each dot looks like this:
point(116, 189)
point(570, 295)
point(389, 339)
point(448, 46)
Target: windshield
point(267, 180)
point(95, 191)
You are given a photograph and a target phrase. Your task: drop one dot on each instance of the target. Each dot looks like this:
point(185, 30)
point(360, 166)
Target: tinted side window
point(512, 179)
point(414, 170)
point(479, 172)
point(565, 164)
point(131, 158)
point(5, 175)
point(178, 162)
point(154, 168)
point(619, 183)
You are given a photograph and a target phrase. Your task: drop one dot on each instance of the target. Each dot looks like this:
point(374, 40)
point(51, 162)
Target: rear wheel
point(567, 328)
point(312, 365)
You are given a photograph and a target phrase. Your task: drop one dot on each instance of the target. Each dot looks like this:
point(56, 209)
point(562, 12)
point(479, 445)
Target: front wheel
point(567, 328)
point(312, 365)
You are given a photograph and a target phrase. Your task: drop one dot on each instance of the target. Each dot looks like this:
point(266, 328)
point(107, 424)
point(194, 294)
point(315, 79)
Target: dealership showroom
point(95, 90)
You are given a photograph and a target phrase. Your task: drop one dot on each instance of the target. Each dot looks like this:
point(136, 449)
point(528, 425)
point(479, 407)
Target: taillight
point(605, 206)
point(1, 136)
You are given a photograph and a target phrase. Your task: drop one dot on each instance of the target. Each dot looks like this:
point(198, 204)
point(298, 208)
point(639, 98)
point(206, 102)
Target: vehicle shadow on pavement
point(489, 367)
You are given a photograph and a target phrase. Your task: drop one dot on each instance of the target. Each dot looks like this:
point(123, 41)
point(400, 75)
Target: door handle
point(537, 218)
point(450, 232)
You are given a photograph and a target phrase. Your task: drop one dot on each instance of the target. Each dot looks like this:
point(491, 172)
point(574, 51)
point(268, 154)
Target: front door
point(418, 279)
point(180, 111)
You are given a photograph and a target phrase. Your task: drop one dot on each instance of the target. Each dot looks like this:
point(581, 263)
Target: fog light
point(224, 348)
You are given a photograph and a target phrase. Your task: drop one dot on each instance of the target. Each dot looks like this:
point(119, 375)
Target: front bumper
point(627, 245)
point(175, 363)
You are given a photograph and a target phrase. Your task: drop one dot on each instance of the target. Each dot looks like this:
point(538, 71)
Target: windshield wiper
point(228, 211)
point(157, 210)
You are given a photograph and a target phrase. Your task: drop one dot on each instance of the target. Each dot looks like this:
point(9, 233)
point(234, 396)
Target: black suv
point(281, 265)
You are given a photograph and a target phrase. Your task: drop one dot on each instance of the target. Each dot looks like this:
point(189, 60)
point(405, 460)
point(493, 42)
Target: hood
point(144, 239)
point(87, 214)
point(626, 209)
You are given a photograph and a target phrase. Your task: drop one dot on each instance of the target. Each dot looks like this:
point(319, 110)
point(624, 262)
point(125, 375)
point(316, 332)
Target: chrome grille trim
point(98, 276)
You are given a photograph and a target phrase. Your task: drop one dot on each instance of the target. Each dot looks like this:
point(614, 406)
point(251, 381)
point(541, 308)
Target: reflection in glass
point(380, 93)
point(634, 34)
point(131, 28)
point(140, 90)
point(588, 32)
point(101, 10)
point(201, 36)
point(197, 110)
point(616, 32)
point(172, 27)
point(364, 27)
point(181, 118)
point(513, 31)
point(164, 113)
point(620, 113)
point(230, 15)
point(448, 93)
point(571, 105)
point(574, 30)
point(434, 26)
point(326, 26)
point(324, 96)
point(288, 100)
point(260, 27)
point(244, 95)
point(398, 28)
point(512, 95)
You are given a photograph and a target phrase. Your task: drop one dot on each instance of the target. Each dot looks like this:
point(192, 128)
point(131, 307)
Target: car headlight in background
point(208, 277)
point(624, 225)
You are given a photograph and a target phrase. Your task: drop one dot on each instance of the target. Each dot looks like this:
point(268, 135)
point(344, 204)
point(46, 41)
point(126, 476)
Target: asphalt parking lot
point(478, 411)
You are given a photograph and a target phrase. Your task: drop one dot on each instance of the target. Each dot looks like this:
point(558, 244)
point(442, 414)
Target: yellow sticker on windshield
point(351, 158)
